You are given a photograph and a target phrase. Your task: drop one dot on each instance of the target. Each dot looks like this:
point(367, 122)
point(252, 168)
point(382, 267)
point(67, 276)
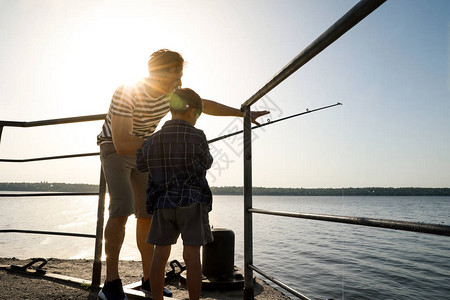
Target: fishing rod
point(308, 111)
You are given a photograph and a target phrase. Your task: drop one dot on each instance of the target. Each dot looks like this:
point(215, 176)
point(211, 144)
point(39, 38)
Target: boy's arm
point(216, 109)
point(206, 158)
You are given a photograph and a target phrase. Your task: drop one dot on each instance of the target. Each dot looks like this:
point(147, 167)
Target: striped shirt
point(133, 101)
point(176, 158)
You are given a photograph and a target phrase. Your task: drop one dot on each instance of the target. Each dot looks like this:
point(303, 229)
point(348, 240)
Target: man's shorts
point(191, 221)
point(126, 185)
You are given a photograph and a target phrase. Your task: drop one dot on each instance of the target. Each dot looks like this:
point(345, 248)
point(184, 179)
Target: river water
point(322, 260)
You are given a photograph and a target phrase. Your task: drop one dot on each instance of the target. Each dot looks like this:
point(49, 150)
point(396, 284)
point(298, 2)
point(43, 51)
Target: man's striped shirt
point(133, 101)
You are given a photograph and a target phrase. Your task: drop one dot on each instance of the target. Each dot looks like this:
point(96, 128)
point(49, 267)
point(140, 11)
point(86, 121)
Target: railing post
point(248, 230)
point(97, 267)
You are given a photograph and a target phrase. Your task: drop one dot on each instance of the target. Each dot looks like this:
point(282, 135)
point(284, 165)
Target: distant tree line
point(239, 190)
point(49, 187)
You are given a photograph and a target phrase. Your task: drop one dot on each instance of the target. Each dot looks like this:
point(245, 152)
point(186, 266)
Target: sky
point(61, 58)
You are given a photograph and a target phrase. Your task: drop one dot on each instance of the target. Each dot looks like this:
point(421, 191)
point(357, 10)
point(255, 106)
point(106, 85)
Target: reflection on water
point(61, 214)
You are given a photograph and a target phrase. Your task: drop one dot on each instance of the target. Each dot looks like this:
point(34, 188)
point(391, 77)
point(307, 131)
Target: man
point(133, 116)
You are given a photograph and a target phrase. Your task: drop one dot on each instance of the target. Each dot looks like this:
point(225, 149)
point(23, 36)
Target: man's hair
point(163, 60)
point(183, 99)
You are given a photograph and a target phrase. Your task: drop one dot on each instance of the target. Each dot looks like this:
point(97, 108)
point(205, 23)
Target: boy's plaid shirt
point(177, 158)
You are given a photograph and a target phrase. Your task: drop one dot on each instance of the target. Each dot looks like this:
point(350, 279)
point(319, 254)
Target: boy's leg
point(191, 255)
point(157, 272)
point(195, 231)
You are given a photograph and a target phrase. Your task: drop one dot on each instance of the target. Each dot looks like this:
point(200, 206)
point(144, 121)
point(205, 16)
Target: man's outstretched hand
point(256, 114)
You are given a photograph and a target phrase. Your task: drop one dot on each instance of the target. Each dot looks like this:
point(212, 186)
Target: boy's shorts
point(126, 185)
point(191, 221)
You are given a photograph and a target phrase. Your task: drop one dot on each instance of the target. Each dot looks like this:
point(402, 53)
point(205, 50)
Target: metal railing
point(350, 19)
point(96, 269)
point(345, 23)
point(51, 122)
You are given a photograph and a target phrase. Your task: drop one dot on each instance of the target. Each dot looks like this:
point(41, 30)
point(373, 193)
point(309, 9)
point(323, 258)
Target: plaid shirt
point(176, 158)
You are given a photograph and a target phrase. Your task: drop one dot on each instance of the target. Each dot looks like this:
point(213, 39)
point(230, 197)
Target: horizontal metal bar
point(53, 121)
point(48, 233)
point(50, 157)
point(389, 224)
point(345, 23)
point(50, 122)
point(48, 194)
point(280, 283)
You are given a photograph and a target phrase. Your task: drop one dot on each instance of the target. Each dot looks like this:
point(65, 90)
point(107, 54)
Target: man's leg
point(146, 250)
point(191, 255)
point(117, 170)
point(114, 235)
point(144, 220)
point(157, 272)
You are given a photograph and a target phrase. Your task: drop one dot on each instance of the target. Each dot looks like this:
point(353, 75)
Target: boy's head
point(185, 104)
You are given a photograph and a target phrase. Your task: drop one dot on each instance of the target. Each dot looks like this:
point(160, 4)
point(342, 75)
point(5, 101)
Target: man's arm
point(141, 163)
point(216, 109)
point(124, 141)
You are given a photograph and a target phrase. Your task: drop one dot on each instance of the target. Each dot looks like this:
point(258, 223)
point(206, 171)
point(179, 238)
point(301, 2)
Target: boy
point(178, 194)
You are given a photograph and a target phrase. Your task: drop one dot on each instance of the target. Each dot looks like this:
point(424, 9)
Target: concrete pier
point(16, 286)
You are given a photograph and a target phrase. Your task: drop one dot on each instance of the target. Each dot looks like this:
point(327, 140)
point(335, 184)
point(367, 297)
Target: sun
point(132, 70)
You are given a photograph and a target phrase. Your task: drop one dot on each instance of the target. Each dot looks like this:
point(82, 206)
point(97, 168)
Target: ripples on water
point(343, 261)
point(320, 259)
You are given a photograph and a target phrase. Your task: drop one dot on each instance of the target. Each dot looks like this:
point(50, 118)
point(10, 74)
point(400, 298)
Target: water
point(320, 259)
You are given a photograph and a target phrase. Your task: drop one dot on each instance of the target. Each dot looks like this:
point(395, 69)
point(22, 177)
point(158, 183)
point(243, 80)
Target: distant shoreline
point(236, 190)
